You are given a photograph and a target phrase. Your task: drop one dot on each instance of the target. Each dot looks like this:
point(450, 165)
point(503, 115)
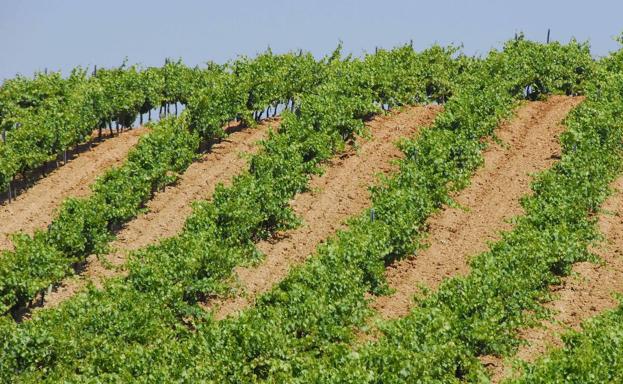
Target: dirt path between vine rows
point(168, 210)
point(531, 144)
point(36, 207)
point(341, 192)
point(585, 293)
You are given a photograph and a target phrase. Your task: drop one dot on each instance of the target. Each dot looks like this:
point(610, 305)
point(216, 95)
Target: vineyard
point(401, 217)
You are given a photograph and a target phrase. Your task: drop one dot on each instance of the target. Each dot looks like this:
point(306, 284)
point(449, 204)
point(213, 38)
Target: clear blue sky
point(61, 34)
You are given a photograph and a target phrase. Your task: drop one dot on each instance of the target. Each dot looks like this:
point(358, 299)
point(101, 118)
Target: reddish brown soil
point(168, 209)
point(455, 234)
point(341, 192)
point(585, 293)
point(37, 206)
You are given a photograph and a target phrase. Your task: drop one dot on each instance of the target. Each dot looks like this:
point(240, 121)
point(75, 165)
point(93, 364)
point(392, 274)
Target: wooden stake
point(12, 193)
point(548, 35)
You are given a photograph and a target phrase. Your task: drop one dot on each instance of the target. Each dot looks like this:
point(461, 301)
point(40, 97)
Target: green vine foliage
point(481, 313)
point(590, 356)
point(149, 325)
point(84, 226)
point(220, 233)
point(47, 115)
point(595, 354)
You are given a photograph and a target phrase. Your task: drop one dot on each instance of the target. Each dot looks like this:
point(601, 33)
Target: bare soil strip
point(35, 208)
point(588, 291)
point(168, 209)
point(341, 192)
point(530, 145)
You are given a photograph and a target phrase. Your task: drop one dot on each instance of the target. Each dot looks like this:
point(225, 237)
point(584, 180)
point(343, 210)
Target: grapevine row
point(174, 275)
point(85, 225)
point(595, 354)
point(481, 313)
point(300, 329)
point(43, 117)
